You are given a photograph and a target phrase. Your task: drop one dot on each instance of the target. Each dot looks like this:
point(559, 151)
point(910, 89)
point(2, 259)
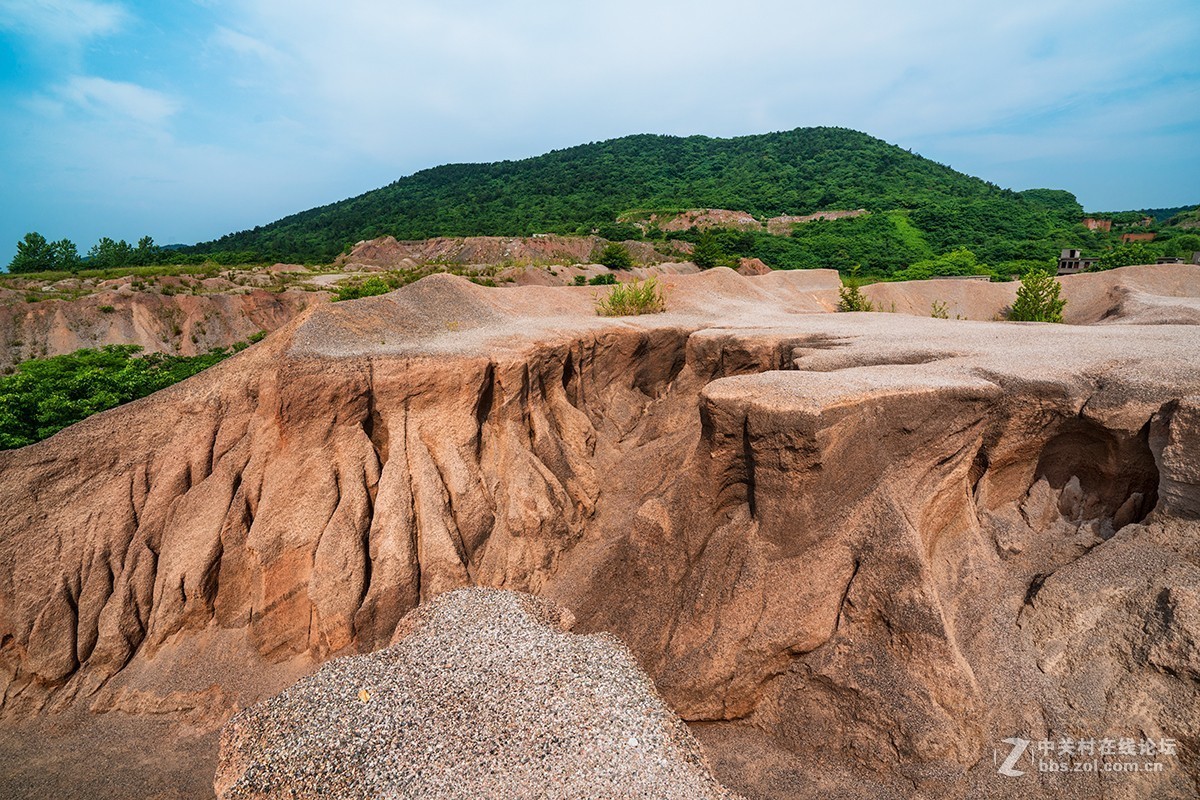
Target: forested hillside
point(932, 208)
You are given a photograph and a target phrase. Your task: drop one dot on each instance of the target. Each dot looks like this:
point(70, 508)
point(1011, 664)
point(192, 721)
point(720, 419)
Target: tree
point(106, 254)
point(615, 256)
point(66, 255)
point(1037, 299)
point(1126, 255)
point(708, 251)
point(147, 252)
point(34, 254)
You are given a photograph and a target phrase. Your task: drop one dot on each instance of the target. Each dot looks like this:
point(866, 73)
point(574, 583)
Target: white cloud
point(244, 45)
point(119, 100)
point(62, 21)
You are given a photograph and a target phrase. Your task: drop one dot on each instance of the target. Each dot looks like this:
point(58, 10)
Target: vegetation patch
point(633, 298)
point(45, 395)
point(1038, 299)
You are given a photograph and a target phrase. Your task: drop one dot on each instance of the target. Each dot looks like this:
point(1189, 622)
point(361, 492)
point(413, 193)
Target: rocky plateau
point(853, 553)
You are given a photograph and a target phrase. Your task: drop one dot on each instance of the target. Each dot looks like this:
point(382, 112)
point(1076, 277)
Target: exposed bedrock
point(864, 547)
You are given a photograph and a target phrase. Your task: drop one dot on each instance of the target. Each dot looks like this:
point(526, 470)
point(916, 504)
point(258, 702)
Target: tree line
point(36, 254)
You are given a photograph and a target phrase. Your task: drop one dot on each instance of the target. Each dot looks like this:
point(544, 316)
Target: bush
point(581, 280)
point(48, 394)
point(1037, 299)
point(607, 279)
point(850, 296)
point(368, 288)
point(615, 256)
point(631, 299)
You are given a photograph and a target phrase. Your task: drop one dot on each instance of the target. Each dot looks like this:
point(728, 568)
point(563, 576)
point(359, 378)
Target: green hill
point(932, 208)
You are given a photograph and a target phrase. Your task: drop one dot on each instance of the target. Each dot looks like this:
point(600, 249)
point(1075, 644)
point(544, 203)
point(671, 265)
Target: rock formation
point(854, 551)
point(180, 324)
point(482, 694)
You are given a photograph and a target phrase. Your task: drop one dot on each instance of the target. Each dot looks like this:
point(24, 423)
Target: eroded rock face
point(483, 694)
point(181, 324)
point(855, 551)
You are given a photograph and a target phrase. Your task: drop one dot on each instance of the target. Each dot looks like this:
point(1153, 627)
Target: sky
point(190, 119)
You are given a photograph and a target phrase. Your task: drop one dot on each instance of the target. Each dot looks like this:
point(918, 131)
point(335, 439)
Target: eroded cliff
point(855, 551)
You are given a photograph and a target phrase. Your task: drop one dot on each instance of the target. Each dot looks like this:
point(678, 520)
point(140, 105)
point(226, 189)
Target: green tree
point(615, 256)
point(708, 252)
point(1126, 255)
point(1038, 299)
point(66, 255)
point(147, 252)
point(34, 254)
point(107, 254)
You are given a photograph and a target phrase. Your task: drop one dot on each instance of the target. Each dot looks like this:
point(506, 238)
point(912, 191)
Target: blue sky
point(190, 119)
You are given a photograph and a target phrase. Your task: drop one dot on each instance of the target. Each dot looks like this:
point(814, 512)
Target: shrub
point(939, 310)
point(581, 280)
point(46, 395)
point(107, 309)
point(368, 288)
point(1037, 299)
point(615, 256)
point(630, 299)
point(850, 296)
point(607, 279)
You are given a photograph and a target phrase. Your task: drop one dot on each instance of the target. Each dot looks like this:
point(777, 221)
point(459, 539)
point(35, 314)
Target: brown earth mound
point(1152, 294)
point(856, 552)
point(482, 694)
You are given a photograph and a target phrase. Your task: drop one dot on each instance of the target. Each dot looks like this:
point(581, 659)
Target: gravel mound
point(482, 694)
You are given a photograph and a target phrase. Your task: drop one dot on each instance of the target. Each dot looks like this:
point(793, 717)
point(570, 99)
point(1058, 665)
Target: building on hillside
point(1168, 261)
point(1096, 224)
point(1072, 261)
point(1138, 237)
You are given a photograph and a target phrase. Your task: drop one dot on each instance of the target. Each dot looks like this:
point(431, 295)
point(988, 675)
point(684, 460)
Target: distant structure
point(1168, 261)
point(1138, 237)
point(1196, 258)
point(1072, 261)
point(1096, 224)
point(984, 278)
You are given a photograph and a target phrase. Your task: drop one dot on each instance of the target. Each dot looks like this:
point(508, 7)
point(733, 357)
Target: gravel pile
point(484, 694)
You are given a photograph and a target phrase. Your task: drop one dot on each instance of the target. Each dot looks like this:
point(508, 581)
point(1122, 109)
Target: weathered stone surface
point(854, 551)
point(483, 694)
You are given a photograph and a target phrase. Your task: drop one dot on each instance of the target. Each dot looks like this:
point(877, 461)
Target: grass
point(631, 299)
